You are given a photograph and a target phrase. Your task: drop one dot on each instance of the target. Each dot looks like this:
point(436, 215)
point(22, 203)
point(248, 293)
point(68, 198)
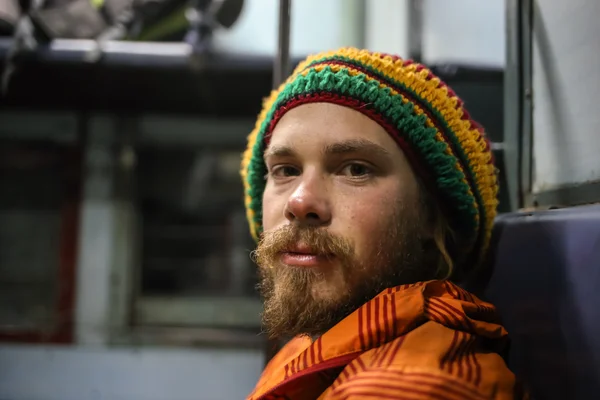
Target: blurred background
point(124, 249)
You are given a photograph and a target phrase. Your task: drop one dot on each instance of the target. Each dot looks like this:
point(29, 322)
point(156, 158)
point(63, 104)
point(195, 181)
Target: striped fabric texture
point(430, 340)
point(447, 149)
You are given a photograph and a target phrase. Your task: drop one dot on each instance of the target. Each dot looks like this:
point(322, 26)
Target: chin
point(327, 293)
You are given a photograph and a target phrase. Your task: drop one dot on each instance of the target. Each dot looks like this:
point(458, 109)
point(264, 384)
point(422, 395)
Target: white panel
point(470, 31)
point(96, 244)
point(317, 25)
point(566, 83)
point(47, 373)
point(467, 31)
point(386, 26)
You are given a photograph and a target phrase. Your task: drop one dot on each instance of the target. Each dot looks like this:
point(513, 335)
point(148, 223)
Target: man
point(369, 189)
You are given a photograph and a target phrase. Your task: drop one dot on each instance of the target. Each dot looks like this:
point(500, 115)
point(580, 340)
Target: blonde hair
point(443, 237)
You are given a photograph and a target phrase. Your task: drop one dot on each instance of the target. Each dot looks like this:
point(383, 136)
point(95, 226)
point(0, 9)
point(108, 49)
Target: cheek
point(272, 208)
point(367, 216)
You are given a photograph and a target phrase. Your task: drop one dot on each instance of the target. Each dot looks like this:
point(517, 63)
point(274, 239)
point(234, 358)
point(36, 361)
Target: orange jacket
point(430, 340)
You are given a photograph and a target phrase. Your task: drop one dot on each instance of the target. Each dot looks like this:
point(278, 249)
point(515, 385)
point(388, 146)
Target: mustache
point(286, 238)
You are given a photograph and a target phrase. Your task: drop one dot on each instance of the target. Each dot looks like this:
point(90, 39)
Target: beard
point(310, 301)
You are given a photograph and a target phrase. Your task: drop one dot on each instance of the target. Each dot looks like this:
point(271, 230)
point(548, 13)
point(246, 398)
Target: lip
point(303, 256)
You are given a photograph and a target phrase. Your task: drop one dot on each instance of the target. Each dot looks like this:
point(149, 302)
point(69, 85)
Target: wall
point(566, 60)
point(54, 373)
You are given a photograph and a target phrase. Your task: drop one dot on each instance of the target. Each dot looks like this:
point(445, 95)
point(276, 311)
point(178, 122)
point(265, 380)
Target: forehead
point(320, 124)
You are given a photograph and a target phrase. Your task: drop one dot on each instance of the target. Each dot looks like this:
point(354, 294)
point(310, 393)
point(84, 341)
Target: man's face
point(341, 217)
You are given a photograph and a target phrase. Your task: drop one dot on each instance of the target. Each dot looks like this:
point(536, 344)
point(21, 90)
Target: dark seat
point(546, 285)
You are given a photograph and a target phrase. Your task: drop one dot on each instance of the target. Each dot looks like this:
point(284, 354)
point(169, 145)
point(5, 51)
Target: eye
point(282, 171)
point(356, 170)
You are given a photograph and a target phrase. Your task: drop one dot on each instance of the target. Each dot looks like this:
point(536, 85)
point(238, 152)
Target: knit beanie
point(445, 147)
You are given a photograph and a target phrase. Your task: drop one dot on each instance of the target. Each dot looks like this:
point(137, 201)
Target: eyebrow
point(279, 151)
point(356, 146)
point(338, 148)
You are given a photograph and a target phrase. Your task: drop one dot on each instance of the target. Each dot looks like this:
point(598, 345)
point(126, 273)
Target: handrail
point(138, 54)
point(282, 60)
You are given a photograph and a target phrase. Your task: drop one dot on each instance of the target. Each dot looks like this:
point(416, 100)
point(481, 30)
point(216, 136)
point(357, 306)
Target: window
point(195, 269)
point(38, 221)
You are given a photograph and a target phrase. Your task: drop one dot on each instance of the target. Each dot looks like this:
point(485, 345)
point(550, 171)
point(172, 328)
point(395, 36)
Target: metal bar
point(361, 23)
point(156, 335)
point(282, 59)
point(127, 246)
point(566, 196)
point(512, 104)
point(134, 54)
point(60, 127)
point(526, 97)
point(280, 71)
point(415, 30)
point(194, 132)
point(129, 53)
point(517, 102)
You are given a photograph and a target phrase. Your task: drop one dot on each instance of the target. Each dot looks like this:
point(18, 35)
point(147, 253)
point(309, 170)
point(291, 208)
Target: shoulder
point(433, 362)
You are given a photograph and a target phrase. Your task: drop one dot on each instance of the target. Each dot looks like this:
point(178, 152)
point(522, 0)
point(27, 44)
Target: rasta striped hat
point(446, 148)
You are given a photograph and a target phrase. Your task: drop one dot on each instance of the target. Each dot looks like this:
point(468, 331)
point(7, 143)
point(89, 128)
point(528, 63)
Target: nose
point(309, 203)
